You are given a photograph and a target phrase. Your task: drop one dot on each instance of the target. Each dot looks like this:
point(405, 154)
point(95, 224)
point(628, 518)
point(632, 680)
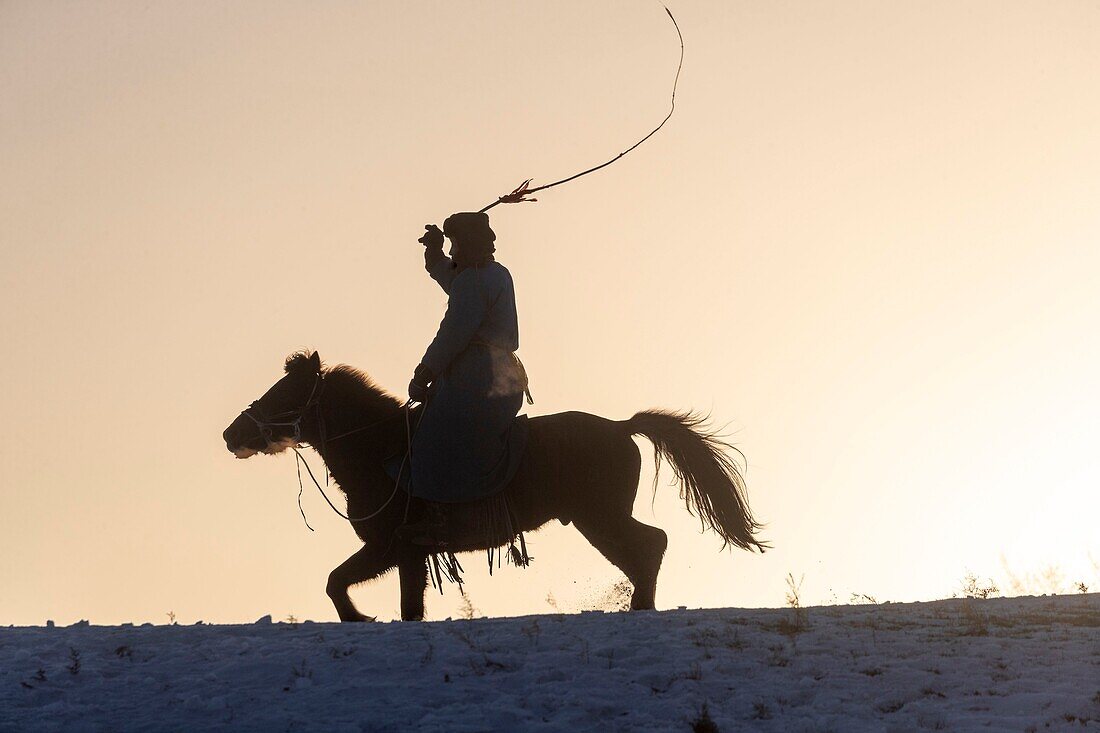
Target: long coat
point(469, 443)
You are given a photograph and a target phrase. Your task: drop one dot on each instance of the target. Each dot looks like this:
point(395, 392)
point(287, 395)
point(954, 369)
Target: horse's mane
point(355, 387)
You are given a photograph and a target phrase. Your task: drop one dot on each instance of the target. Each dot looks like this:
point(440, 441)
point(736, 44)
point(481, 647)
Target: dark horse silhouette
point(577, 468)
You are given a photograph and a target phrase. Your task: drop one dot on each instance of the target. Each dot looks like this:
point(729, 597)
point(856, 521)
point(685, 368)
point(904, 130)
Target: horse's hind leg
point(634, 548)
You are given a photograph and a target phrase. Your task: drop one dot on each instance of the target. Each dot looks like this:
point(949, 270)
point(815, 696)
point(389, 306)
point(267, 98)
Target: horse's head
point(273, 423)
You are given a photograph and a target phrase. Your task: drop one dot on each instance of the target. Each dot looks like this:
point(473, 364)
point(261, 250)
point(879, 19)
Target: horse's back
point(571, 420)
point(576, 457)
point(578, 434)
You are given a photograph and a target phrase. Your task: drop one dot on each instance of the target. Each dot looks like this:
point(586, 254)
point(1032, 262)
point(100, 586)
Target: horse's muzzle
point(240, 435)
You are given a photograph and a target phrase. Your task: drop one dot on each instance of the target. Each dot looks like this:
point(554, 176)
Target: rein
point(396, 484)
point(314, 401)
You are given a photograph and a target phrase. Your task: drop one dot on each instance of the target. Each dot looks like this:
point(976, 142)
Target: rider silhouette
point(468, 443)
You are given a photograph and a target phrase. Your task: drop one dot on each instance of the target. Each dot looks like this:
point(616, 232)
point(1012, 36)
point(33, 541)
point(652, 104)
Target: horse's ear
point(303, 361)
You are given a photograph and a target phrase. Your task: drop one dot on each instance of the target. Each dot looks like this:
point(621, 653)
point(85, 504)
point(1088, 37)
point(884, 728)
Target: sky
point(866, 243)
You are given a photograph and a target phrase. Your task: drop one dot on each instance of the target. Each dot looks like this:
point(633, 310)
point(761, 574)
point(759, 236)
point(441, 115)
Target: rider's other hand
point(418, 392)
point(433, 237)
point(418, 387)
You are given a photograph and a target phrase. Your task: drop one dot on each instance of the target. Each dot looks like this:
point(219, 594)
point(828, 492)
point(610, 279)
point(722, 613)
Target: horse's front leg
point(413, 571)
point(364, 565)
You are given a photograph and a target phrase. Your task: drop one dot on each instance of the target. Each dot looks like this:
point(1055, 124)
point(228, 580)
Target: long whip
point(519, 193)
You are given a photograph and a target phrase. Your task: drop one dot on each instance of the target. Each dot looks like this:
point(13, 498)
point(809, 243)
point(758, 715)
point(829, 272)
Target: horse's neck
point(357, 440)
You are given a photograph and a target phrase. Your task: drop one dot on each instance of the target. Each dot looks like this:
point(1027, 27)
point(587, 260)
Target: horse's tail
point(711, 483)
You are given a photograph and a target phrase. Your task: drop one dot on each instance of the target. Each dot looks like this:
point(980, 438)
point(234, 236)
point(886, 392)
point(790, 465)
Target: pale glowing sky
point(868, 240)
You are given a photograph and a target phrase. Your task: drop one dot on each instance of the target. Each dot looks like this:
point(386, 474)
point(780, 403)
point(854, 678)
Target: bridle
point(314, 402)
point(265, 426)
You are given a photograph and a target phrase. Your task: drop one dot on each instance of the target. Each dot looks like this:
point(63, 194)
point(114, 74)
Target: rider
point(468, 443)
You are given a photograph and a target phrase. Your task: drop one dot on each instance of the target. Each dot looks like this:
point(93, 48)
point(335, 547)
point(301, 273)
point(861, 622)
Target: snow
point(1021, 664)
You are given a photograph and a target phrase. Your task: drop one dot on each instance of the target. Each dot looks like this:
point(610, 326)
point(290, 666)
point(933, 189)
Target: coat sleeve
point(440, 267)
point(467, 307)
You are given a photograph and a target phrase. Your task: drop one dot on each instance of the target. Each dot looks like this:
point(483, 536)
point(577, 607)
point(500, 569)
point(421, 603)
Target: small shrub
point(796, 623)
point(1081, 587)
point(793, 590)
point(761, 711)
point(973, 588)
point(466, 610)
point(703, 723)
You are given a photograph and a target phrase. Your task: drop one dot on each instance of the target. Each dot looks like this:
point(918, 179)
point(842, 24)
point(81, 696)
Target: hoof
point(358, 618)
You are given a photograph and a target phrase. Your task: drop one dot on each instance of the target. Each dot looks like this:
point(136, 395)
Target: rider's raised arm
point(467, 308)
point(440, 267)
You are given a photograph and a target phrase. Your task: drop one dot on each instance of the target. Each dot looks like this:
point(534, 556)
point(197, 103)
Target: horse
point(577, 468)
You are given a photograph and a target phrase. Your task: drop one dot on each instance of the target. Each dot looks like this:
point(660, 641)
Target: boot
point(430, 529)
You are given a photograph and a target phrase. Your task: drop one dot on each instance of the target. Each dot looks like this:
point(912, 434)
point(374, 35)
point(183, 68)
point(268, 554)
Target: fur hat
point(471, 237)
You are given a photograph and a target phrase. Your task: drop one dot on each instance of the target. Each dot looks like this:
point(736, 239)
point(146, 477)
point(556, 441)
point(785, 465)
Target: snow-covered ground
point(1022, 664)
